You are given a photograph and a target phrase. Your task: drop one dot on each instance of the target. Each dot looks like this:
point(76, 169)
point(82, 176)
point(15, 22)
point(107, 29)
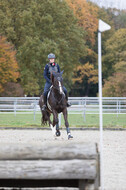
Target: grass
point(75, 120)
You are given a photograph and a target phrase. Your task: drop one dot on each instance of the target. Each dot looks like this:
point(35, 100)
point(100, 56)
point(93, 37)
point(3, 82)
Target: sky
point(119, 4)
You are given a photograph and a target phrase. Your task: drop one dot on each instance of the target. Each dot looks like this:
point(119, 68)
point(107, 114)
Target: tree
point(37, 28)
point(115, 86)
point(86, 14)
point(115, 48)
point(118, 17)
point(86, 75)
point(121, 20)
point(8, 64)
point(115, 59)
point(12, 89)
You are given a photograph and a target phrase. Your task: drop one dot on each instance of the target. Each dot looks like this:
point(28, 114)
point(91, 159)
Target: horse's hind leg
point(67, 124)
point(40, 105)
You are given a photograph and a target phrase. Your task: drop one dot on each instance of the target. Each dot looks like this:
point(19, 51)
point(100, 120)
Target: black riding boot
point(68, 105)
point(45, 101)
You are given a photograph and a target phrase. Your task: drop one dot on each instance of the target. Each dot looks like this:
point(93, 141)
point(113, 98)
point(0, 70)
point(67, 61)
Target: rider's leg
point(46, 89)
point(45, 97)
point(66, 95)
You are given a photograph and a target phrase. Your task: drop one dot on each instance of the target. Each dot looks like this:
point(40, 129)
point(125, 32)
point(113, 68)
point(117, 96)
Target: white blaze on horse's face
point(60, 87)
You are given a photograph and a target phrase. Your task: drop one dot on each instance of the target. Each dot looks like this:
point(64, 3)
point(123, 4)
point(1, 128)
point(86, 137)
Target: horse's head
point(57, 81)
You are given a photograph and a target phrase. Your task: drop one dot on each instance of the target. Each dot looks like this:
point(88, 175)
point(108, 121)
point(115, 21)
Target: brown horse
point(56, 103)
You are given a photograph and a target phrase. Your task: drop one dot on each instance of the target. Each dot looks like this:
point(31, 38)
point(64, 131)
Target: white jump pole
point(102, 27)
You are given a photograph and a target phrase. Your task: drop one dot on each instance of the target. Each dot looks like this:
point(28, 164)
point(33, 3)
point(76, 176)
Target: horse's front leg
point(51, 126)
point(56, 122)
point(66, 123)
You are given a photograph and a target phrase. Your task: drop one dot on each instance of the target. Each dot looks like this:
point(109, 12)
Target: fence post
point(34, 109)
point(85, 110)
point(15, 103)
point(117, 108)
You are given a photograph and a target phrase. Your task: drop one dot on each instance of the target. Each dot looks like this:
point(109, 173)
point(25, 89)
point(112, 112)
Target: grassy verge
point(75, 120)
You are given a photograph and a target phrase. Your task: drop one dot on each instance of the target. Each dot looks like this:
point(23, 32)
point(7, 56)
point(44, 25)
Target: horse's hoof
point(70, 136)
point(57, 133)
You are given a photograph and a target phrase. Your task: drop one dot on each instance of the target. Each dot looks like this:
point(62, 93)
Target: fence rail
point(84, 105)
point(87, 104)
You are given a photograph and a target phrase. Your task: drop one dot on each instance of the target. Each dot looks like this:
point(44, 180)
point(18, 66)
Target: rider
point(51, 66)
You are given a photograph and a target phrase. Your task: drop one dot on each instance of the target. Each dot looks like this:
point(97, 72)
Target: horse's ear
point(61, 72)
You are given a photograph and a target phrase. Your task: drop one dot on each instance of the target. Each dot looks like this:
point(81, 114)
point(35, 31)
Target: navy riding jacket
point(48, 69)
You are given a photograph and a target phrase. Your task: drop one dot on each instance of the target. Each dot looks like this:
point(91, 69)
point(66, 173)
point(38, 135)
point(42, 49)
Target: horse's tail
point(45, 114)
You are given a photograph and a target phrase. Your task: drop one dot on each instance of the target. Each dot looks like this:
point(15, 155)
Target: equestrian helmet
point(51, 56)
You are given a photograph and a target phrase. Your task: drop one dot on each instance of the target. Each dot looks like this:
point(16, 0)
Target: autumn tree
point(115, 64)
point(12, 89)
point(115, 85)
point(86, 14)
point(86, 75)
point(115, 49)
point(37, 28)
point(8, 64)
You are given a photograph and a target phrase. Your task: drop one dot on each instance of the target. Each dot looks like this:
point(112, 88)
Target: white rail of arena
point(79, 105)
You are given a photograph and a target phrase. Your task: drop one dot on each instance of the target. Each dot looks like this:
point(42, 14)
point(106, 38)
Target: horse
point(56, 103)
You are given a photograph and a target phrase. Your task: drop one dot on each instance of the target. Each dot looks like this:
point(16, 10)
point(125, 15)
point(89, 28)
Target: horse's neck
point(56, 93)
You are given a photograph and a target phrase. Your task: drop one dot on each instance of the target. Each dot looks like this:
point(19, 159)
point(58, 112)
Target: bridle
point(59, 88)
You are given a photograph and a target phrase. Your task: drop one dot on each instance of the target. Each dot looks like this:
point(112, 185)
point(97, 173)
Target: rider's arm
point(46, 74)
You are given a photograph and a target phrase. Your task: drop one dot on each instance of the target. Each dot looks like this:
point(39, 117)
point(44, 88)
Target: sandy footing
point(114, 149)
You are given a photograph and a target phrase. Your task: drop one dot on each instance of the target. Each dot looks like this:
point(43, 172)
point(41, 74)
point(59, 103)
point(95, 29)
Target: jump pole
point(101, 28)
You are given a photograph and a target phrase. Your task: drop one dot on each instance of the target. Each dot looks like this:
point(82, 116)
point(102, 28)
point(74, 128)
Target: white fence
point(83, 105)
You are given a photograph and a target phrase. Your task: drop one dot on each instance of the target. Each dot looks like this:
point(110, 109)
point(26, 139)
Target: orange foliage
point(8, 63)
point(87, 17)
point(88, 71)
point(115, 86)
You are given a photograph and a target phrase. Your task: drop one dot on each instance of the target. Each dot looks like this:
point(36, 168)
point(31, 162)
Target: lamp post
point(101, 28)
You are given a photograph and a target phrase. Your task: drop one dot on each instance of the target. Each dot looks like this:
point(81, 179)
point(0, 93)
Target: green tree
point(121, 20)
point(118, 17)
point(115, 48)
point(37, 28)
point(115, 65)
